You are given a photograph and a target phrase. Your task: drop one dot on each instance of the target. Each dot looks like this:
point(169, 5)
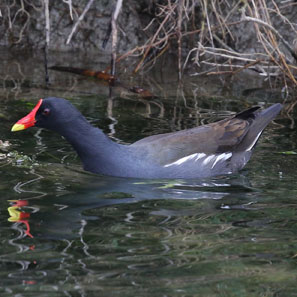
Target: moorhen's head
point(51, 113)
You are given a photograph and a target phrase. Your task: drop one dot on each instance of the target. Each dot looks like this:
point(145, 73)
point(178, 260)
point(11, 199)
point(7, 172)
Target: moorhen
point(218, 148)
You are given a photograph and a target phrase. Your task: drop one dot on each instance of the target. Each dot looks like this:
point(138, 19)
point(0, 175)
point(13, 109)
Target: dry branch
point(47, 39)
point(114, 35)
point(81, 17)
point(209, 28)
point(286, 44)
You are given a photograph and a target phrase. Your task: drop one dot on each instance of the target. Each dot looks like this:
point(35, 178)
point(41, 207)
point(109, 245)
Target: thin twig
point(154, 37)
point(286, 44)
point(47, 40)
point(114, 35)
point(69, 2)
point(79, 20)
point(179, 36)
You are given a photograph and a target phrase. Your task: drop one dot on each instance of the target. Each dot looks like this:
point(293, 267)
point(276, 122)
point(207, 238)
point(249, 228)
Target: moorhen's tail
point(259, 120)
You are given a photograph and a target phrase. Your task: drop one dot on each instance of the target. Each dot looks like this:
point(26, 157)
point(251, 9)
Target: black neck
point(97, 152)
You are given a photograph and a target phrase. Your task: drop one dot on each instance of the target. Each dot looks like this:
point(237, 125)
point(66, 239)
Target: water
point(65, 232)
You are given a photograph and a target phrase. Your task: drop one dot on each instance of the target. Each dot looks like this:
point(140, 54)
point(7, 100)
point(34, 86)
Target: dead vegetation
point(213, 29)
point(214, 37)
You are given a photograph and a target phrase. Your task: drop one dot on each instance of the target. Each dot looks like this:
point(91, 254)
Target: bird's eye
point(46, 111)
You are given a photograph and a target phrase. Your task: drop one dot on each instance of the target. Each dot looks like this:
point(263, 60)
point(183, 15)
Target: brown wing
point(219, 137)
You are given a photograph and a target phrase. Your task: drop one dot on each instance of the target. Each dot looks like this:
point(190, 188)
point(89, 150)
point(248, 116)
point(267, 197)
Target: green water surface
point(78, 234)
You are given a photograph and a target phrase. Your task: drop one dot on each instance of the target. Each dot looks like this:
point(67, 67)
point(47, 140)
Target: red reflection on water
point(29, 282)
point(18, 215)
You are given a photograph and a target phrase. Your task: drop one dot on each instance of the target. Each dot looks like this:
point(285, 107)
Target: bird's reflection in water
point(62, 217)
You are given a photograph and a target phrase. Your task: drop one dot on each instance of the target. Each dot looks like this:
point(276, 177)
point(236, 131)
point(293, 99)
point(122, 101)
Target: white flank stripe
point(200, 156)
point(211, 158)
point(221, 157)
point(254, 142)
point(185, 159)
point(208, 159)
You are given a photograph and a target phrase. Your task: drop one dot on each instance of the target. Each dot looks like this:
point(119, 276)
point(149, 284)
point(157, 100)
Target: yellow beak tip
point(17, 127)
